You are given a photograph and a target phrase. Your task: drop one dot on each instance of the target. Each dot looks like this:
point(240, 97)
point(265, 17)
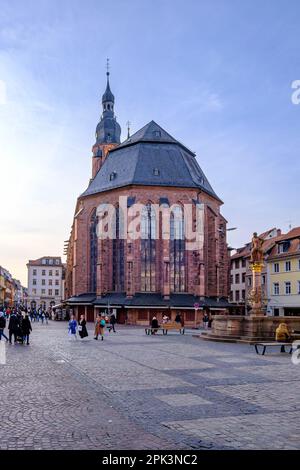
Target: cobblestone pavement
point(133, 391)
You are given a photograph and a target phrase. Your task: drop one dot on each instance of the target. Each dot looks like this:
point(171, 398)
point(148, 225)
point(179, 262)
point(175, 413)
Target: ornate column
point(257, 262)
point(255, 297)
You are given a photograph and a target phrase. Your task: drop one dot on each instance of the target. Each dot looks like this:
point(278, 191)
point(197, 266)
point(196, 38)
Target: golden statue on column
point(256, 263)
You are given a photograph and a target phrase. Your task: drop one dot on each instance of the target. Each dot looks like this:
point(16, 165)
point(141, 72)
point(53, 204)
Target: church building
point(147, 265)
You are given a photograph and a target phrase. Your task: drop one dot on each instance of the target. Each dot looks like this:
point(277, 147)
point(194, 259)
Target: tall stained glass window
point(148, 248)
point(177, 251)
point(118, 253)
point(93, 251)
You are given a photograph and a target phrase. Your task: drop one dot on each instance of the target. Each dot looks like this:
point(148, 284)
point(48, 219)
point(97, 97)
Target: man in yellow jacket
point(282, 335)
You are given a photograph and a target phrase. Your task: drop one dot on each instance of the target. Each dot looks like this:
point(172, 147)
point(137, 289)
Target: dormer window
point(112, 176)
point(156, 172)
point(283, 247)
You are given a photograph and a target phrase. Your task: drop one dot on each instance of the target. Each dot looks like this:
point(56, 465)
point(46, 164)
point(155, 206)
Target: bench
point(165, 327)
point(172, 326)
point(264, 346)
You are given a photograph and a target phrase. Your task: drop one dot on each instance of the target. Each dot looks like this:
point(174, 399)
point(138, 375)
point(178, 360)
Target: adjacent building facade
point(12, 293)
point(158, 271)
point(241, 274)
point(280, 274)
point(45, 282)
point(283, 262)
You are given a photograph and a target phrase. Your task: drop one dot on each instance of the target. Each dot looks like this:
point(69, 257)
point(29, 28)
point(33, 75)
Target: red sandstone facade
point(206, 266)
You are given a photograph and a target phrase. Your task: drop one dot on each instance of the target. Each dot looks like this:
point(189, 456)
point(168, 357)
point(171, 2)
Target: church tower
point(108, 131)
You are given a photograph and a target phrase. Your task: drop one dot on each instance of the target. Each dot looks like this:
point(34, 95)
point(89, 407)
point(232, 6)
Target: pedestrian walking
point(82, 327)
point(113, 321)
point(30, 313)
point(13, 327)
point(2, 326)
point(26, 328)
point(205, 320)
point(99, 326)
point(73, 327)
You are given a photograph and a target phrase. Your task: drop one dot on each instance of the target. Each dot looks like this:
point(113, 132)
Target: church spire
point(108, 130)
point(108, 98)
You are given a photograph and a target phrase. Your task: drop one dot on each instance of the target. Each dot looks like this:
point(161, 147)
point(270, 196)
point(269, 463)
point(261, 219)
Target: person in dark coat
point(13, 327)
point(2, 326)
point(26, 328)
point(82, 327)
point(154, 325)
point(113, 321)
point(178, 319)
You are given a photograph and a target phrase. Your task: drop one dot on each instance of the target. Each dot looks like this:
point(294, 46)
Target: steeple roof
point(151, 132)
point(108, 130)
point(150, 157)
point(108, 96)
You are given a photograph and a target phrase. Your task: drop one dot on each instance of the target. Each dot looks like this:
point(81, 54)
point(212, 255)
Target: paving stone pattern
point(133, 391)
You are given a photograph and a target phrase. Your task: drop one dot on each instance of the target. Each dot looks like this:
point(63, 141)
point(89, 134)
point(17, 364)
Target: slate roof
point(136, 161)
point(148, 300)
point(108, 96)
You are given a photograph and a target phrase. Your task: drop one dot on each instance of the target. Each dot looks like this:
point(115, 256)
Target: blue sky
point(216, 74)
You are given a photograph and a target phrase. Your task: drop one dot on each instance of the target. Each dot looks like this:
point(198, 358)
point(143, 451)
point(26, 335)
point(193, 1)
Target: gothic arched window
point(148, 248)
point(118, 253)
point(93, 251)
point(177, 251)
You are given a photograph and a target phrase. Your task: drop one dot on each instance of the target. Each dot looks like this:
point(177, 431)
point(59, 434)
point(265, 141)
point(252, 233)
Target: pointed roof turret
point(108, 130)
point(108, 96)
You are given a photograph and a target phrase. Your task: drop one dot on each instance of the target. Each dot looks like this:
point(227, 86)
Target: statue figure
point(257, 252)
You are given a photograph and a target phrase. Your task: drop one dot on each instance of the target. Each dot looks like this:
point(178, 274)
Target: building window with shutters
point(288, 288)
point(276, 288)
point(276, 267)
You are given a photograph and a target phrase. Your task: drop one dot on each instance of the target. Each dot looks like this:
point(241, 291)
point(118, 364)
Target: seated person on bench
point(179, 319)
point(154, 325)
point(282, 335)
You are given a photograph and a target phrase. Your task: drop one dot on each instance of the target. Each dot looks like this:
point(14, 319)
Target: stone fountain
point(256, 326)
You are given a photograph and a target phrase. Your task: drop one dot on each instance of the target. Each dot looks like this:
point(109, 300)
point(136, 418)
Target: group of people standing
point(39, 315)
point(102, 321)
point(19, 326)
